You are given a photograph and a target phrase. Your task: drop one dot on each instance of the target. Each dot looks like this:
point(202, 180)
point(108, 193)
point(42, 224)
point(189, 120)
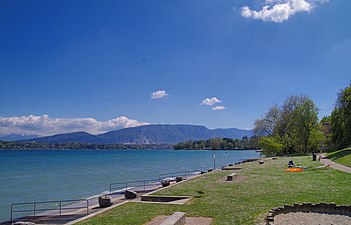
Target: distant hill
point(149, 134)
point(82, 137)
point(154, 134)
point(16, 137)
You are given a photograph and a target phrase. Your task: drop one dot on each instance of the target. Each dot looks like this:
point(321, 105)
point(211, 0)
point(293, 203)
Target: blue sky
point(92, 65)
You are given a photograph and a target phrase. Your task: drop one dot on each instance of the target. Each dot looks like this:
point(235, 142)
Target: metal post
point(60, 209)
point(11, 213)
point(87, 206)
point(214, 162)
point(34, 209)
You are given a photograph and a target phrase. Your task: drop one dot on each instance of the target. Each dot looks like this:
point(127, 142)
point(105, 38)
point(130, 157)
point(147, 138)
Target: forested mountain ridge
point(149, 134)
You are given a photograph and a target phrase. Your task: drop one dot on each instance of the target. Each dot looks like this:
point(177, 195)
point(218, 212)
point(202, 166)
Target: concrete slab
point(188, 220)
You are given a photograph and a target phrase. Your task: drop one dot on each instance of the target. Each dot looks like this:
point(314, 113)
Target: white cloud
point(159, 94)
point(211, 101)
point(280, 10)
point(45, 125)
point(218, 108)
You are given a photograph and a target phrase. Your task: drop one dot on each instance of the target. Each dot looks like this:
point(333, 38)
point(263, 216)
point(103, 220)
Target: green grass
point(247, 202)
point(342, 156)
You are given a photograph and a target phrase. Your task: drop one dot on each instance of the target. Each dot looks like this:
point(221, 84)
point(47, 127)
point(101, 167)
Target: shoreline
point(131, 149)
point(117, 198)
point(200, 160)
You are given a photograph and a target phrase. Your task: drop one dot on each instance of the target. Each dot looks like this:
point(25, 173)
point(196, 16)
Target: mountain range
point(148, 134)
point(16, 137)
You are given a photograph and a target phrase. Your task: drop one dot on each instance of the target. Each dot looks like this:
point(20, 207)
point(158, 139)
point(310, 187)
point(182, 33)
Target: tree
point(290, 125)
point(306, 121)
point(266, 125)
point(215, 143)
point(325, 124)
point(271, 146)
point(341, 119)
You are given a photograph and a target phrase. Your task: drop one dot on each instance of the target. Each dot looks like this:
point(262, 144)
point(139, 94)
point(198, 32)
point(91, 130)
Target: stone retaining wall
point(330, 208)
point(162, 198)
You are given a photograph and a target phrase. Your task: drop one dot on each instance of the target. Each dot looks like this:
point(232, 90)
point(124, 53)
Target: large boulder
point(104, 201)
point(129, 194)
point(179, 179)
point(165, 183)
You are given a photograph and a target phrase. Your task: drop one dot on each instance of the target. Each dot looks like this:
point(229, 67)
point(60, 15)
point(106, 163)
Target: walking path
point(334, 165)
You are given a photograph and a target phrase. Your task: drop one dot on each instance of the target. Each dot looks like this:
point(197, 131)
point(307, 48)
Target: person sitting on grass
point(291, 164)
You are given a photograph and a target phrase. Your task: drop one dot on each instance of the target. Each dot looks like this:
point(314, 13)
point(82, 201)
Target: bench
point(177, 218)
point(231, 176)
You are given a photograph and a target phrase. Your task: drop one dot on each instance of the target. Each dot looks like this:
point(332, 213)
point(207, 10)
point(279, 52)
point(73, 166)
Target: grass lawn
point(246, 202)
point(341, 156)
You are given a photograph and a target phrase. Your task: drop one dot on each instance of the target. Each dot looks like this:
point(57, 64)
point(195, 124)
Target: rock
point(178, 179)
point(129, 194)
point(165, 183)
point(105, 201)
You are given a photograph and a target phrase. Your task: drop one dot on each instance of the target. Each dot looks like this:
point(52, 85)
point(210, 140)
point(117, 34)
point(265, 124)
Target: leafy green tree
point(294, 125)
point(271, 146)
point(341, 119)
point(305, 120)
point(202, 145)
point(229, 145)
point(215, 143)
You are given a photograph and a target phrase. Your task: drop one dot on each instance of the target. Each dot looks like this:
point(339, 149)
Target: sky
point(98, 66)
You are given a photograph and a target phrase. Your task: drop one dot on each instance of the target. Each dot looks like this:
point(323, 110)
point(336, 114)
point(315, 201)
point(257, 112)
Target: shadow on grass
point(339, 154)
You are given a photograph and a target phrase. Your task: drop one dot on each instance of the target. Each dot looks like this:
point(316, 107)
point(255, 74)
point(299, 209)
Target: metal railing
point(139, 184)
point(183, 174)
point(143, 184)
point(55, 206)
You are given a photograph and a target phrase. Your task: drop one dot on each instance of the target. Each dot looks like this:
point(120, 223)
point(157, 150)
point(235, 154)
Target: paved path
point(333, 164)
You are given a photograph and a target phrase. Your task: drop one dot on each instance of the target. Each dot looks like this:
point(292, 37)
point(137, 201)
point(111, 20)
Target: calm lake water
point(27, 176)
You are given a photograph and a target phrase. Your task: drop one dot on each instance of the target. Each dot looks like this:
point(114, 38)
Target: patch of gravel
point(303, 218)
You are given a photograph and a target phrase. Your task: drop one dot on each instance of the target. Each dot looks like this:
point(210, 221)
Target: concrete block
point(231, 176)
point(177, 218)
